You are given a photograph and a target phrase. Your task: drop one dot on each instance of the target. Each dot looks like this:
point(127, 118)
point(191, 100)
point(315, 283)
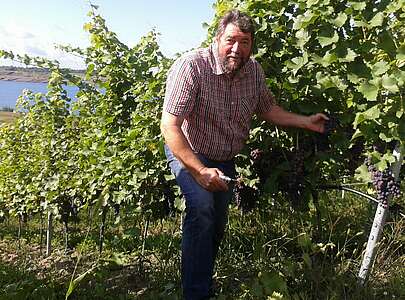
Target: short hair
point(238, 18)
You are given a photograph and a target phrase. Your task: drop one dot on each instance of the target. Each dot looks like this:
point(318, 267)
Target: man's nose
point(235, 47)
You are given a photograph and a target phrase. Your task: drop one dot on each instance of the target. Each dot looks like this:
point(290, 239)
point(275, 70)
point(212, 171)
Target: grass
point(271, 253)
point(7, 117)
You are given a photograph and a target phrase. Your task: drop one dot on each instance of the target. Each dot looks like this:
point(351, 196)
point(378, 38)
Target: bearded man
point(211, 95)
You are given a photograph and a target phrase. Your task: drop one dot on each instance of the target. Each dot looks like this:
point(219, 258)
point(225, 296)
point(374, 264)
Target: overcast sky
point(34, 27)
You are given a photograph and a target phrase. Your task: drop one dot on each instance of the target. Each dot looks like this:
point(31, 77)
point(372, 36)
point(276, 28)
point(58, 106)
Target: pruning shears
point(227, 179)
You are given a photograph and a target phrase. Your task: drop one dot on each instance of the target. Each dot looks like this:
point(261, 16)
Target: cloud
point(35, 51)
point(17, 39)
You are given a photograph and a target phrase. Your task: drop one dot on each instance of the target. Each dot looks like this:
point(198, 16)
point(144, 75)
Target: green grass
point(269, 252)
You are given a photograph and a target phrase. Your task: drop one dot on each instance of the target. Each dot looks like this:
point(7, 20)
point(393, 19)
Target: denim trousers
point(206, 215)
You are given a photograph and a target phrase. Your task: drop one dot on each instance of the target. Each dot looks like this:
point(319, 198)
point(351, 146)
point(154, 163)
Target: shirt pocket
point(247, 108)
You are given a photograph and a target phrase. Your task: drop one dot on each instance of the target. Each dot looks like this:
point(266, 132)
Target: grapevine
point(245, 196)
point(384, 183)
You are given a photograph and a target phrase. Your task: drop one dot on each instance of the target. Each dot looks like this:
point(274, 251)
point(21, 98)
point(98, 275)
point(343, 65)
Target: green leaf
point(380, 68)
point(327, 40)
point(401, 129)
point(326, 60)
point(381, 165)
point(390, 83)
point(371, 114)
point(350, 56)
point(87, 26)
point(357, 5)
point(389, 157)
point(387, 43)
point(362, 174)
point(357, 134)
point(74, 283)
point(304, 241)
point(297, 63)
point(311, 3)
point(369, 91)
point(383, 137)
point(401, 52)
point(377, 20)
point(302, 21)
point(302, 36)
point(340, 20)
point(359, 68)
point(307, 260)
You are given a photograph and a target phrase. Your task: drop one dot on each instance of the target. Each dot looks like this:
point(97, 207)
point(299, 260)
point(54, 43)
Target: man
point(211, 95)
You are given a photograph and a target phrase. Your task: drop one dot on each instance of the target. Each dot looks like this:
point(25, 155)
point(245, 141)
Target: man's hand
point(209, 179)
point(316, 122)
point(278, 116)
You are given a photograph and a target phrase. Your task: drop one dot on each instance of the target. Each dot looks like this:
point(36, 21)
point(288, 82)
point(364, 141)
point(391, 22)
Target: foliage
point(344, 58)
point(102, 148)
point(265, 254)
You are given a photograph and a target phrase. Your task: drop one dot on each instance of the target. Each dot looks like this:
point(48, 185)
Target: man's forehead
point(233, 30)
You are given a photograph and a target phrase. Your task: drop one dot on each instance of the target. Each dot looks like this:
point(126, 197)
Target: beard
point(232, 66)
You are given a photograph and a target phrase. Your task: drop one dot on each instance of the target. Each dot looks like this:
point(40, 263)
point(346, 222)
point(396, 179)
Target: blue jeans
point(204, 224)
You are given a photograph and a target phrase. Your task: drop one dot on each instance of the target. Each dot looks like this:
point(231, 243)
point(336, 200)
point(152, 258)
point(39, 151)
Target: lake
point(11, 90)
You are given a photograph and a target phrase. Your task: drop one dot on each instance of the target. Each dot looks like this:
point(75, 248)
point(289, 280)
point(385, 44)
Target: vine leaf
point(369, 91)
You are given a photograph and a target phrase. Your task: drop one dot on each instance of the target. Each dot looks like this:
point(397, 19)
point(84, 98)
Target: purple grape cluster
point(265, 161)
point(384, 183)
point(245, 196)
point(256, 155)
point(116, 208)
point(295, 187)
point(322, 142)
point(169, 198)
point(331, 125)
point(291, 184)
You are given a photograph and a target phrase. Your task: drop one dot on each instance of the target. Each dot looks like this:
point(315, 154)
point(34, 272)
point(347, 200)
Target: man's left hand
point(316, 122)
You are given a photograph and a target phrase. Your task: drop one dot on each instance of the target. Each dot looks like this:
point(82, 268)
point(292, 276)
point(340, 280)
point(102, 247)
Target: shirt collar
point(216, 65)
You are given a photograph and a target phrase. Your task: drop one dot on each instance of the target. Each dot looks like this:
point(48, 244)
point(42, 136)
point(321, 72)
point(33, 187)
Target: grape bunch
point(116, 208)
point(353, 156)
point(322, 140)
point(245, 196)
point(331, 125)
point(169, 198)
point(256, 155)
point(384, 183)
point(295, 187)
point(265, 161)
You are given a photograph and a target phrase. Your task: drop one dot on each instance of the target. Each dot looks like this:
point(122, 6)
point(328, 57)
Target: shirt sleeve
point(266, 98)
point(181, 87)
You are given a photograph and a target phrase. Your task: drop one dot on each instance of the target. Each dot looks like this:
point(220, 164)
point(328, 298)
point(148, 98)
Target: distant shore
point(10, 73)
point(20, 78)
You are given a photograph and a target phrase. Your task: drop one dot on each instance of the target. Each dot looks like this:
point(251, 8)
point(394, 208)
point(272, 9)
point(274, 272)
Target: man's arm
point(177, 142)
point(278, 116)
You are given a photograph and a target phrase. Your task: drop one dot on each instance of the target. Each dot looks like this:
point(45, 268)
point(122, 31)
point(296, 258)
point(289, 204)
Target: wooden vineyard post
point(49, 234)
point(378, 224)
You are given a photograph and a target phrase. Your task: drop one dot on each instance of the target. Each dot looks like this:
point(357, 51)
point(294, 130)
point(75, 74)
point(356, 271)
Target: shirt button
point(232, 103)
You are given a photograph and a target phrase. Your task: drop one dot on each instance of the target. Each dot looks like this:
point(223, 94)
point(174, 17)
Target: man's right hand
point(209, 179)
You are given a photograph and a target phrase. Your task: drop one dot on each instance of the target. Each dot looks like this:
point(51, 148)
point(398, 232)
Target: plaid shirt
point(217, 109)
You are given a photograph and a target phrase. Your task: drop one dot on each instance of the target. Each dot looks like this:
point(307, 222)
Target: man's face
point(234, 48)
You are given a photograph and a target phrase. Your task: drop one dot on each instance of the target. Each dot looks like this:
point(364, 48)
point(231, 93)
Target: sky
point(34, 27)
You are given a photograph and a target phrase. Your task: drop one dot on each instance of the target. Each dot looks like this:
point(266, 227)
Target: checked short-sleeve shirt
point(217, 109)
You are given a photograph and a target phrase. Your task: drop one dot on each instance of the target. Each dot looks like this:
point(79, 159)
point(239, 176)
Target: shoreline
point(23, 79)
point(36, 75)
